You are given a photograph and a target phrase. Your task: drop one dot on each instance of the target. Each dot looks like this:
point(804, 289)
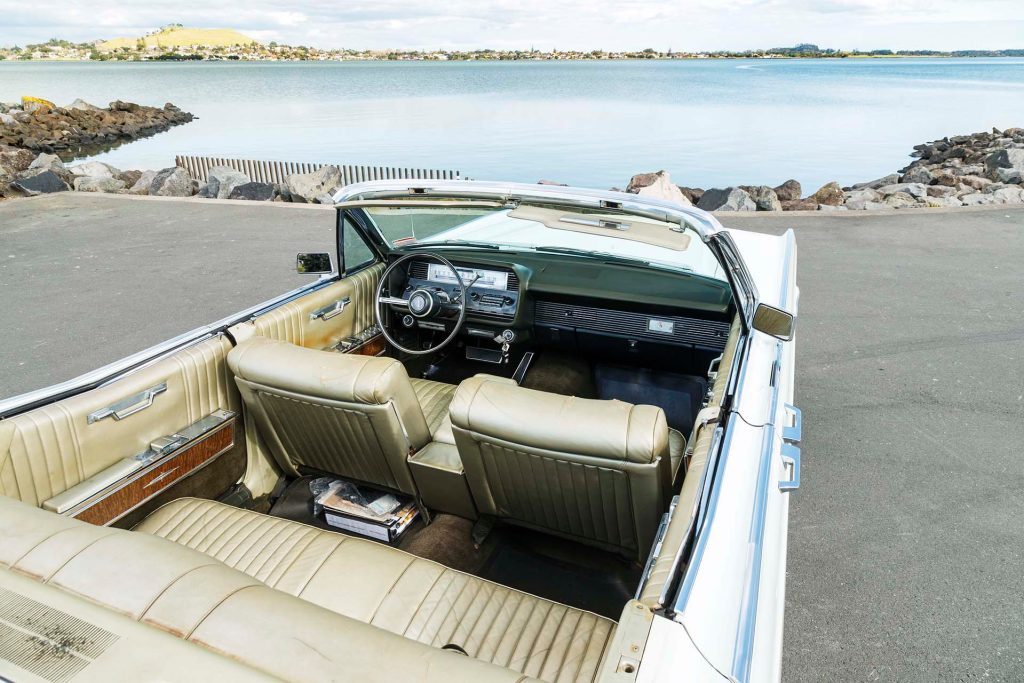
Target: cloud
point(582, 24)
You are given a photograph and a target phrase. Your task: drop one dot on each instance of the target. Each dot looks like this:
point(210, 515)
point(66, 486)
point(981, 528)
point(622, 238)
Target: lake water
point(709, 122)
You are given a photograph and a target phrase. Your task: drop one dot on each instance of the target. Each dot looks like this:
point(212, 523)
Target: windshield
point(573, 232)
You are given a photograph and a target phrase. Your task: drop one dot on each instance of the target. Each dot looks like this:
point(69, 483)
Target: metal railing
point(277, 171)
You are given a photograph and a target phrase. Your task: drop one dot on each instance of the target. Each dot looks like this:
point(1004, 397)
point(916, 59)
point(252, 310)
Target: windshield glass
point(548, 229)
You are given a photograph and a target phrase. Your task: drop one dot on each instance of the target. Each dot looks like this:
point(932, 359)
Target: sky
point(680, 25)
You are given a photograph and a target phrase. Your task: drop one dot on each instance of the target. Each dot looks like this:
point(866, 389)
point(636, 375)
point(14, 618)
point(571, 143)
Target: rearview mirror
point(774, 321)
point(314, 263)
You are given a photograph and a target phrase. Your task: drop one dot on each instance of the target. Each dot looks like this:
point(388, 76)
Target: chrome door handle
point(794, 432)
point(791, 457)
point(330, 310)
point(128, 406)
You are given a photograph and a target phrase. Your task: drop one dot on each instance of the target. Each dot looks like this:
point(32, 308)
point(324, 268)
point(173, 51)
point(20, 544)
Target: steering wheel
point(423, 303)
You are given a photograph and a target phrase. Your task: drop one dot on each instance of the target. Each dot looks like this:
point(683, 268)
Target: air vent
point(418, 271)
point(672, 329)
point(45, 641)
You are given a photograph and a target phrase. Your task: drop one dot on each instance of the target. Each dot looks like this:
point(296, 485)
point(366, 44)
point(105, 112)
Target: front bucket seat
point(358, 417)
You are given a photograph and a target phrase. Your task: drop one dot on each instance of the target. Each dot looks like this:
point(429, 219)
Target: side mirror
point(314, 263)
point(775, 322)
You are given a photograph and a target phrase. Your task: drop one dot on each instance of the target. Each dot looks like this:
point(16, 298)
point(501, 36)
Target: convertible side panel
point(48, 450)
point(298, 321)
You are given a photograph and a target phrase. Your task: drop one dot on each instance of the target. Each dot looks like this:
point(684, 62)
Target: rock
point(876, 206)
point(1008, 195)
point(14, 160)
point(97, 184)
point(254, 191)
point(657, 186)
point(975, 181)
point(49, 162)
point(912, 189)
point(764, 198)
point(7, 119)
point(34, 105)
point(43, 182)
point(945, 176)
point(1009, 175)
point(83, 105)
point(728, 199)
point(1012, 158)
point(917, 174)
point(977, 199)
point(95, 169)
point(306, 187)
point(830, 194)
point(129, 178)
point(172, 182)
point(141, 186)
point(830, 207)
point(221, 180)
point(799, 204)
point(900, 200)
point(788, 191)
point(941, 191)
point(692, 193)
point(890, 179)
point(941, 202)
point(864, 195)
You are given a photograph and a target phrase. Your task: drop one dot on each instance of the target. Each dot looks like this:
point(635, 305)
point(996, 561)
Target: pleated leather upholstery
point(434, 399)
point(350, 415)
point(195, 597)
point(393, 590)
point(291, 322)
point(48, 450)
point(598, 472)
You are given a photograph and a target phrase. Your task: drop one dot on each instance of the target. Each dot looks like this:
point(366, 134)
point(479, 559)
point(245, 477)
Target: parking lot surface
point(907, 536)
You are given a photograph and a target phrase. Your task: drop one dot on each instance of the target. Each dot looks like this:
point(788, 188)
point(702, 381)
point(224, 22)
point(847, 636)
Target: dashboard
point(493, 292)
point(580, 304)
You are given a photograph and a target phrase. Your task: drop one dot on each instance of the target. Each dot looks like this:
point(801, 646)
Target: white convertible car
point(580, 402)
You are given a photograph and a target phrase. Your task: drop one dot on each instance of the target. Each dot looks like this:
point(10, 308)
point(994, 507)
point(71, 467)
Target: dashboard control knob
point(408, 320)
point(507, 301)
point(474, 296)
point(508, 336)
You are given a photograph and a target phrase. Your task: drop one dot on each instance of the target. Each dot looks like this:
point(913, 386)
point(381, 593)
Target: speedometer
point(491, 279)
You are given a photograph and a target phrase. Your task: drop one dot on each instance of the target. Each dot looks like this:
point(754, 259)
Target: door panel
point(51, 449)
point(296, 322)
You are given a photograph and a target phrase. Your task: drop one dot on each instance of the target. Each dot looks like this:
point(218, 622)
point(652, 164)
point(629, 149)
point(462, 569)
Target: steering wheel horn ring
point(421, 304)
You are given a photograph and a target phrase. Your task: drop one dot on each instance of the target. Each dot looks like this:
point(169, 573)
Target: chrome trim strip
point(705, 224)
point(119, 368)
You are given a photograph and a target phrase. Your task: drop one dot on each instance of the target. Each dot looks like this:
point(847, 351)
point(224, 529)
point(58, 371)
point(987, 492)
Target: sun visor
point(619, 226)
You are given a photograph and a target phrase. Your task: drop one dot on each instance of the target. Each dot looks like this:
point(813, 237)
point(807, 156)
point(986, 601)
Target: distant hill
point(179, 36)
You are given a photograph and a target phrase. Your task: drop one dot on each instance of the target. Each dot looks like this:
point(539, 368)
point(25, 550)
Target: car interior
point(545, 409)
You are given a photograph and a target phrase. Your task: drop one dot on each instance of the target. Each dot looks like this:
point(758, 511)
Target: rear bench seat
point(231, 578)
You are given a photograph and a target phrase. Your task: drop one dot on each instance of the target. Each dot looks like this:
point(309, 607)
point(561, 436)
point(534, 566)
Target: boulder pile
point(24, 174)
point(80, 127)
point(964, 170)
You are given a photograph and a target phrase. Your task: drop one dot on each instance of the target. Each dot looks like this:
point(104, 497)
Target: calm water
point(586, 123)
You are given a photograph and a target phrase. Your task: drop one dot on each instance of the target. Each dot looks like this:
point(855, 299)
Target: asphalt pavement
point(906, 550)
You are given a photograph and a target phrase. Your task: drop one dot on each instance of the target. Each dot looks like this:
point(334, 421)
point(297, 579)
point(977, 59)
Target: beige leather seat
point(393, 590)
point(599, 472)
point(355, 416)
point(283, 599)
point(55, 572)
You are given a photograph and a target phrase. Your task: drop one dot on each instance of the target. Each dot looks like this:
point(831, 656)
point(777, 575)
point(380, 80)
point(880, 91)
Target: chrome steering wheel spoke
point(437, 304)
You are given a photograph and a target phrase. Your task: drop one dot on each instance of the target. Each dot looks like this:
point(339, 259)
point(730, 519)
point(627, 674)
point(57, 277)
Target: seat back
point(592, 471)
point(354, 416)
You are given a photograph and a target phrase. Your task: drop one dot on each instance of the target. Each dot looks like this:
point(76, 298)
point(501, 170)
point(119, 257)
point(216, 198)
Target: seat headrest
point(542, 420)
point(326, 374)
